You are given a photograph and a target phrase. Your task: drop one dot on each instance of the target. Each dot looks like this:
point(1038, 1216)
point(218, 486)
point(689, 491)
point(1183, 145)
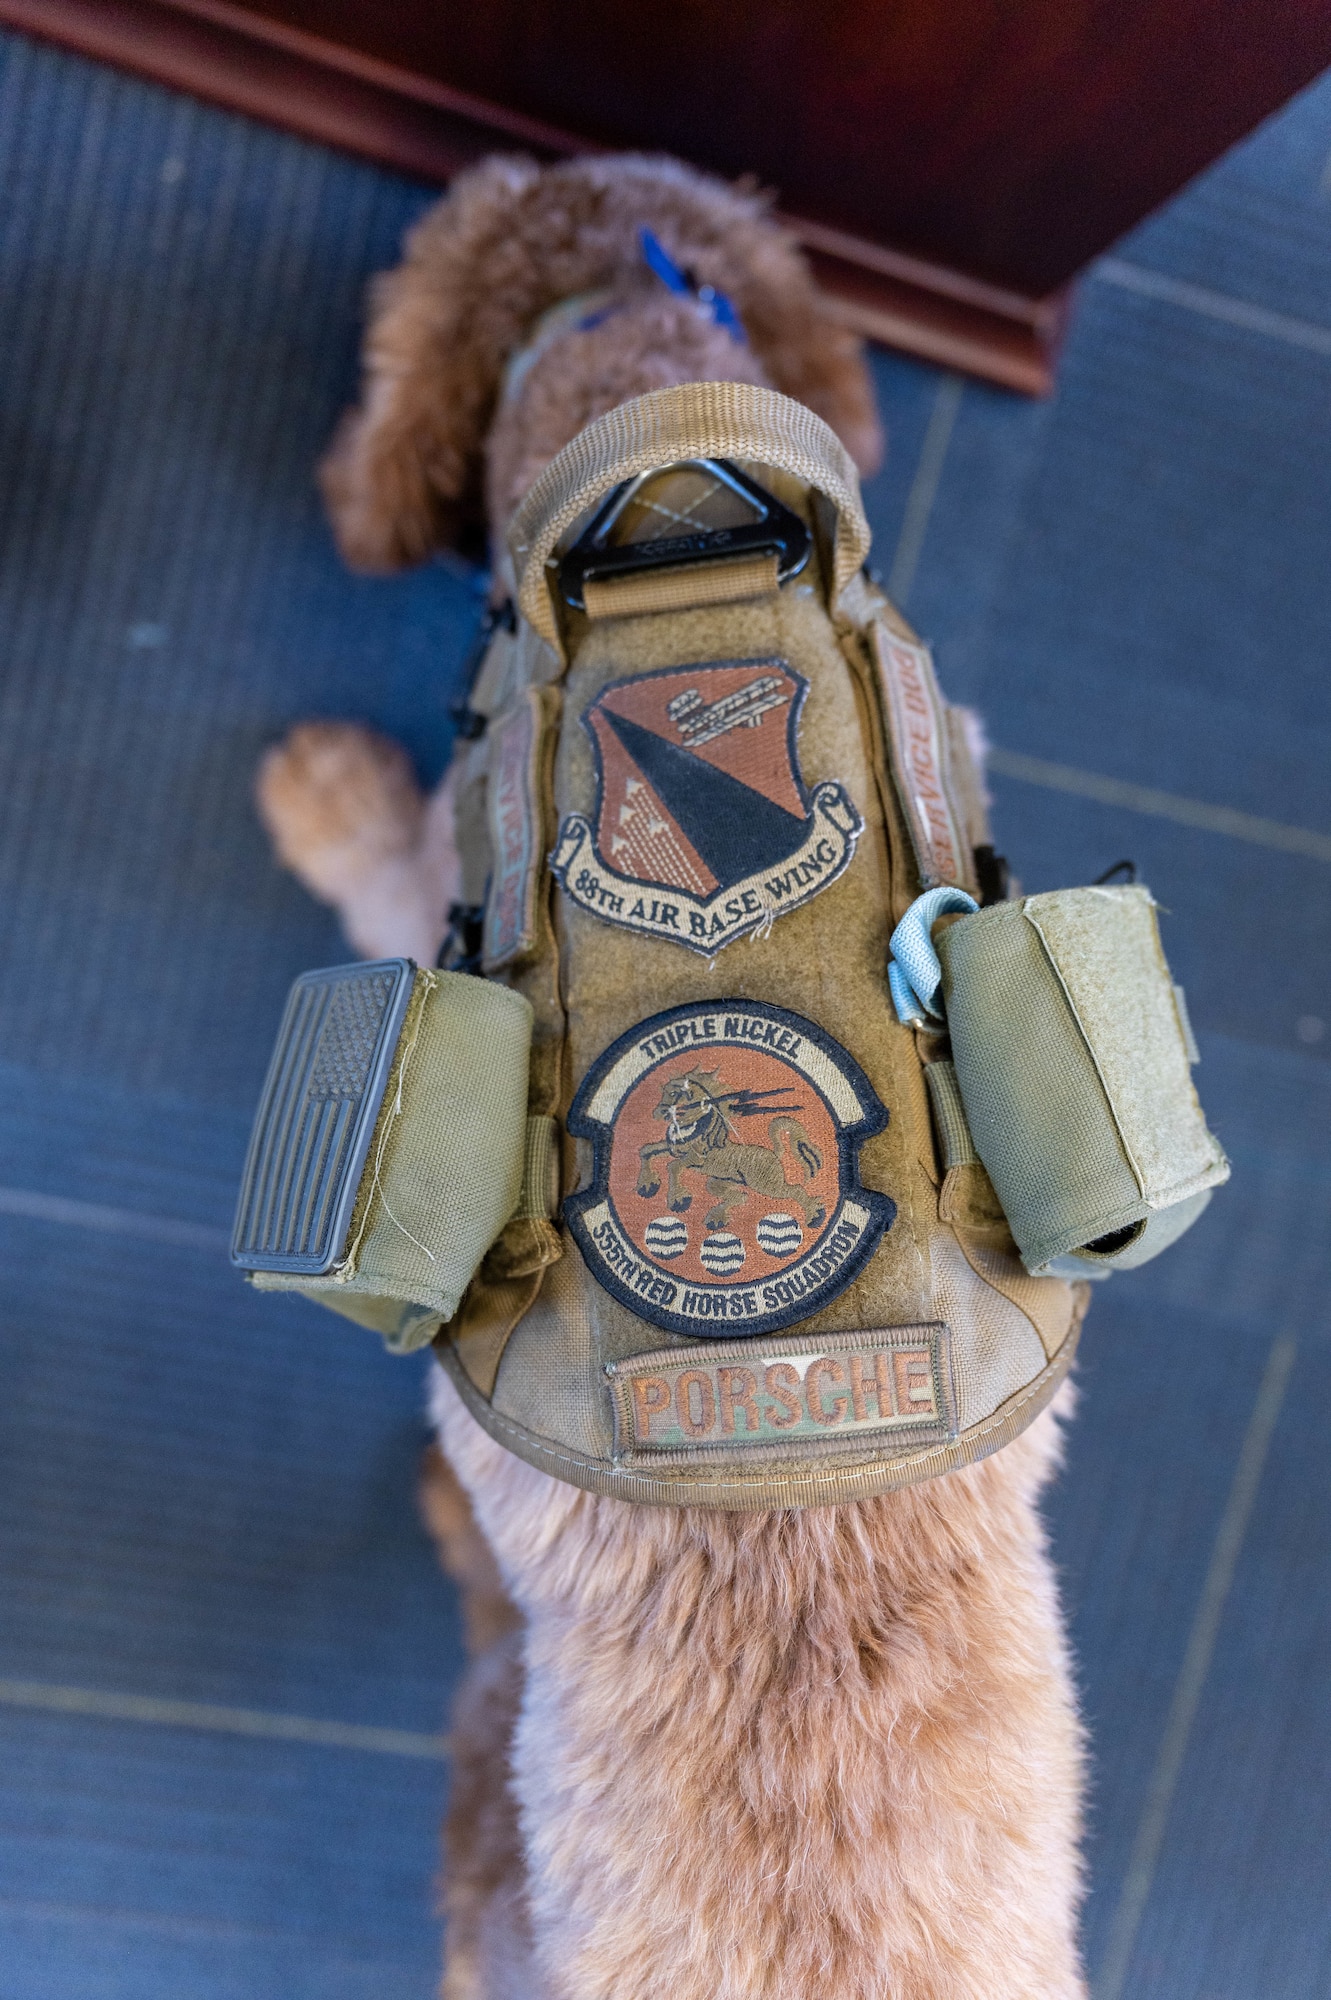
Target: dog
point(714, 1755)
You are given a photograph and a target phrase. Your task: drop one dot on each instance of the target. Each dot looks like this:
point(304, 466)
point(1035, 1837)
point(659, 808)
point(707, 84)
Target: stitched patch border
point(673, 892)
point(712, 1102)
point(794, 1394)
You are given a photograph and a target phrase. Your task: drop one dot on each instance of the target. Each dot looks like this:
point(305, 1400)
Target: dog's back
point(787, 1751)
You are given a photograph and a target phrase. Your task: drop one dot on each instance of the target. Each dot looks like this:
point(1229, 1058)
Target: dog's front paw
point(338, 801)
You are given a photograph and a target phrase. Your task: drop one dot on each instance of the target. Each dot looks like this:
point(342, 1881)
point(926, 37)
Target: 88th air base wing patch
point(704, 830)
point(726, 1191)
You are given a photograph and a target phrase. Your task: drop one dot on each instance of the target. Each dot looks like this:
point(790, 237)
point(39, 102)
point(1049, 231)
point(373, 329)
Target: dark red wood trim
point(1015, 351)
point(941, 315)
point(342, 97)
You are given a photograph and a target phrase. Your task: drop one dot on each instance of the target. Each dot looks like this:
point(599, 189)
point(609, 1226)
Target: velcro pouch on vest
point(388, 1150)
point(1072, 1054)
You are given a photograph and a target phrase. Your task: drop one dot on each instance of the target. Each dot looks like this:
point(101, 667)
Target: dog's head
point(509, 241)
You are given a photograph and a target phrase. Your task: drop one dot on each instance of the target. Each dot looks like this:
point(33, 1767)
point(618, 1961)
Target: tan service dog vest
point(700, 1206)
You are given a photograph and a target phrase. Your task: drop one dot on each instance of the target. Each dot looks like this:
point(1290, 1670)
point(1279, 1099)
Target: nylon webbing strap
point(956, 1143)
point(697, 420)
point(540, 1170)
point(724, 582)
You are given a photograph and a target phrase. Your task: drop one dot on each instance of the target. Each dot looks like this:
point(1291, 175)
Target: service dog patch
point(704, 829)
point(917, 736)
point(726, 1191)
point(513, 808)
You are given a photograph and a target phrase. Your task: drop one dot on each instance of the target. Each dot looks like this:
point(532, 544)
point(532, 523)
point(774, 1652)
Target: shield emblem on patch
point(704, 829)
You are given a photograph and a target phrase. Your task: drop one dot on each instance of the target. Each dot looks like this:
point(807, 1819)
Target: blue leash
point(718, 306)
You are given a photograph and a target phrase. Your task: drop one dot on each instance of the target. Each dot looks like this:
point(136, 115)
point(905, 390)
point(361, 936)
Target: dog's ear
point(404, 467)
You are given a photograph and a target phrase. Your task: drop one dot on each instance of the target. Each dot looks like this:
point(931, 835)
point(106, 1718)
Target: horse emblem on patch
point(726, 1190)
point(704, 829)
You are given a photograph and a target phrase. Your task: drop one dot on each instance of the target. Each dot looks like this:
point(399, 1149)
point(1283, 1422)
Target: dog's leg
point(488, 1612)
point(488, 1931)
point(487, 1939)
point(346, 816)
point(826, 1752)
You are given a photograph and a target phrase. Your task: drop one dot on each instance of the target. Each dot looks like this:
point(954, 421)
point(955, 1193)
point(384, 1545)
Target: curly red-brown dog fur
point(512, 239)
point(828, 1754)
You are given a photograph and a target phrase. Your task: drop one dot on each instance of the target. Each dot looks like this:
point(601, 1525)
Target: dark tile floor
point(205, 1497)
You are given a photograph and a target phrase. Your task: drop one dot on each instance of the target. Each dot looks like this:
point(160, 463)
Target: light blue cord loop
point(909, 1011)
point(914, 974)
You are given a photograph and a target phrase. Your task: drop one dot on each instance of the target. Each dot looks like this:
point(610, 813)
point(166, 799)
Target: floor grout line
point(1225, 1551)
point(94, 1703)
point(97, 1916)
point(1154, 804)
point(114, 1221)
point(924, 487)
point(1200, 299)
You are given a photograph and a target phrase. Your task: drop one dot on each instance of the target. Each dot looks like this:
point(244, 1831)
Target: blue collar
point(585, 310)
point(717, 305)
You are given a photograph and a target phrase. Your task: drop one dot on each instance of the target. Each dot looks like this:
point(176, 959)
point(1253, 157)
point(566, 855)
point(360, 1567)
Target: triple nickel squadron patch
point(704, 829)
point(726, 1191)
